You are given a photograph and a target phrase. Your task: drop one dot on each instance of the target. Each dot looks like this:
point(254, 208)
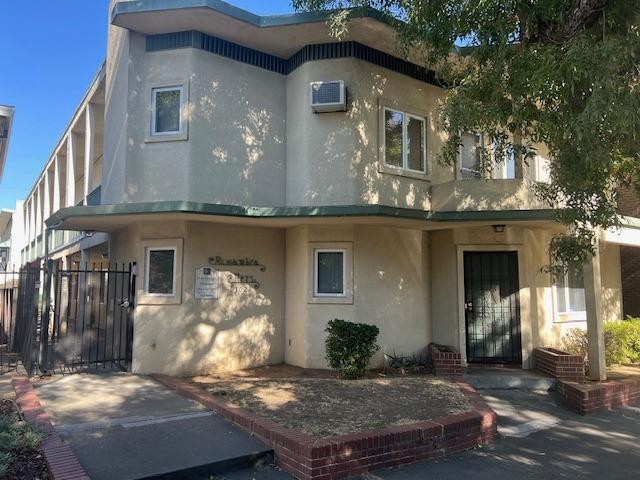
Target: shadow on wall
point(238, 152)
point(229, 333)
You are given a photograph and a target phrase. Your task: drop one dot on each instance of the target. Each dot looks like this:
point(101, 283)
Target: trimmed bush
point(621, 342)
point(350, 346)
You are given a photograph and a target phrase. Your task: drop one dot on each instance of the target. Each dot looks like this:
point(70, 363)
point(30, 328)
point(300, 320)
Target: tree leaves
point(563, 73)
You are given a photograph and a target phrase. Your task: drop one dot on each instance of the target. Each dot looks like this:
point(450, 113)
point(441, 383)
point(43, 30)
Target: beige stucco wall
point(238, 330)
point(333, 158)
point(234, 152)
point(390, 290)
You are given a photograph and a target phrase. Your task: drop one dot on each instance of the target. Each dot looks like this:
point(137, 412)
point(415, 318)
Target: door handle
point(468, 306)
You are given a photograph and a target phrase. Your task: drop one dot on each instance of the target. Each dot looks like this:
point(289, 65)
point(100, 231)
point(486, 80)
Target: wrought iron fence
point(63, 320)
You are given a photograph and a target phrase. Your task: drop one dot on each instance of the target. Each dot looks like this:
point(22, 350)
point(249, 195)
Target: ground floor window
point(329, 272)
point(570, 300)
point(160, 271)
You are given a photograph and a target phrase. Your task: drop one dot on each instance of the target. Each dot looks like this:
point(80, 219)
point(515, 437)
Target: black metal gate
point(492, 307)
point(64, 320)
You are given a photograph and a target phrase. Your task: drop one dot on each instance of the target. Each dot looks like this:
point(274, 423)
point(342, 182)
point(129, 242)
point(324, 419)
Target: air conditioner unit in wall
point(328, 96)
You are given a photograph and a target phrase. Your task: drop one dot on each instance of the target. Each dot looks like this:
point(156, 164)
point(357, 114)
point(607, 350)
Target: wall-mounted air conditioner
point(328, 96)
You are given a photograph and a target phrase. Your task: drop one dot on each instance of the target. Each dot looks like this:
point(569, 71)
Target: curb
point(62, 460)
point(310, 458)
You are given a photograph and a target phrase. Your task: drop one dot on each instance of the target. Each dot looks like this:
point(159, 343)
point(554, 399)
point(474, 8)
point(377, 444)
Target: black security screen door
point(492, 307)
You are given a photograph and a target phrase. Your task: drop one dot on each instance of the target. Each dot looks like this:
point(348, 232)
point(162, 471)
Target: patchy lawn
point(19, 441)
point(324, 407)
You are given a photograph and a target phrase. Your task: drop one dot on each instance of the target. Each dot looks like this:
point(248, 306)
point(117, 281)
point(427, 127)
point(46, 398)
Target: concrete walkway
point(131, 427)
point(541, 440)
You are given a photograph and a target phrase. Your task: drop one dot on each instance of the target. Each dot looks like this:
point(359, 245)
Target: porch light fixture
point(498, 228)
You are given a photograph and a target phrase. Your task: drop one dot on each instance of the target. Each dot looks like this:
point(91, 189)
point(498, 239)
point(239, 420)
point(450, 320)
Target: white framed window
point(166, 110)
point(503, 168)
point(329, 272)
point(405, 144)
point(471, 157)
point(570, 297)
point(160, 271)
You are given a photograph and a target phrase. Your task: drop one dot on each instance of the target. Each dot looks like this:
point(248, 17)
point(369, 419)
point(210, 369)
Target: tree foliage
point(559, 73)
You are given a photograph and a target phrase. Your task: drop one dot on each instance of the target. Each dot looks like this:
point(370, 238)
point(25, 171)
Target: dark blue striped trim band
point(322, 51)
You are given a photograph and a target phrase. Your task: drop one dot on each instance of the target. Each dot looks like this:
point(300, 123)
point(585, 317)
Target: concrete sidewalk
point(129, 427)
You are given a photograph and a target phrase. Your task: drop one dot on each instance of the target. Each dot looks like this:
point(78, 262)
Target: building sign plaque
point(206, 287)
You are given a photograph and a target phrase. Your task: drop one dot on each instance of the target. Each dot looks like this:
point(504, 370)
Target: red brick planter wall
point(588, 398)
point(446, 362)
point(62, 461)
point(559, 364)
point(308, 458)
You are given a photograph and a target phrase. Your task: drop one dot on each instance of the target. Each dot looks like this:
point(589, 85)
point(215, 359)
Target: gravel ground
point(324, 407)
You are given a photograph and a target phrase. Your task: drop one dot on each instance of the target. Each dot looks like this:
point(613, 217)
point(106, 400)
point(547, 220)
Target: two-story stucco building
point(254, 218)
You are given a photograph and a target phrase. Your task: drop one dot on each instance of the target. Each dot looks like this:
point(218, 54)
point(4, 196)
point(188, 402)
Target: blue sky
point(51, 52)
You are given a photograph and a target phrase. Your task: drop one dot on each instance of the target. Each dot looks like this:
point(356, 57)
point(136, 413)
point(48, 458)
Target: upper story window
point(503, 168)
point(570, 300)
point(472, 160)
point(404, 141)
point(166, 110)
point(471, 163)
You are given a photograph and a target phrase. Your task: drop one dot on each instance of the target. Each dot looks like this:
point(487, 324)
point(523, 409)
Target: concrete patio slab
point(508, 378)
point(131, 427)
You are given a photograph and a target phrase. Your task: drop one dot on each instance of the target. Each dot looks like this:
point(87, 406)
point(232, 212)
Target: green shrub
point(16, 438)
point(621, 342)
point(350, 346)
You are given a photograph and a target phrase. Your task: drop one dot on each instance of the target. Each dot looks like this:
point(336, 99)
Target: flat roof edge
point(150, 6)
point(57, 219)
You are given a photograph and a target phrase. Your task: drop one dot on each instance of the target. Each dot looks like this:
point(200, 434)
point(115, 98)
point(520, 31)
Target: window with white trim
point(160, 271)
point(570, 299)
point(470, 159)
point(504, 163)
point(329, 272)
point(405, 141)
point(166, 110)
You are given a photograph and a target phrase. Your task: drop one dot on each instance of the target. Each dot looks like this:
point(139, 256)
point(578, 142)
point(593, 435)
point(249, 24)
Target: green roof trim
point(141, 6)
point(292, 212)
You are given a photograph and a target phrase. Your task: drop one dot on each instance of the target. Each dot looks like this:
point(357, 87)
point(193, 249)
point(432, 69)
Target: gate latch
point(125, 303)
point(468, 306)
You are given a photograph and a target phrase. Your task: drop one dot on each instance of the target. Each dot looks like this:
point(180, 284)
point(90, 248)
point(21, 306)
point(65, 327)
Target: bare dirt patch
point(324, 406)
point(623, 372)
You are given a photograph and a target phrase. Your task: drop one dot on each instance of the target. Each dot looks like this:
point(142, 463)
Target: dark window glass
point(161, 271)
point(330, 274)
point(415, 129)
point(167, 111)
point(393, 138)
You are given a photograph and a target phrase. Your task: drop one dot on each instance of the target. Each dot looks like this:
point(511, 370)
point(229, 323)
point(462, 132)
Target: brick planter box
point(588, 398)
point(445, 361)
point(310, 458)
point(559, 364)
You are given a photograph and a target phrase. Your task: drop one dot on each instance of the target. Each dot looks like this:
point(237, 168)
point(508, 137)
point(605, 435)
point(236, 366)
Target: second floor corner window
point(166, 110)
point(471, 164)
point(404, 141)
point(570, 293)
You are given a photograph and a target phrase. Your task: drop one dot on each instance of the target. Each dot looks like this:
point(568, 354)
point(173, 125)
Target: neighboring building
point(629, 205)
point(254, 220)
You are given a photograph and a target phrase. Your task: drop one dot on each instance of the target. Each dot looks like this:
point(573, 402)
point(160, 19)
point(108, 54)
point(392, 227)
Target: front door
point(492, 307)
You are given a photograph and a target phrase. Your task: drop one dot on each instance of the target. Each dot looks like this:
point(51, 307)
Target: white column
point(71, 169)
point(46, 210)
point(89, 148)
point(595, 320)
point(57, 192)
